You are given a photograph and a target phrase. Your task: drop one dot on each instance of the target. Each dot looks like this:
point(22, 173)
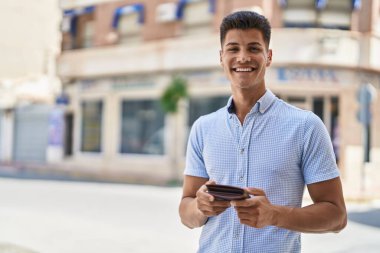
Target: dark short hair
point(245, 20)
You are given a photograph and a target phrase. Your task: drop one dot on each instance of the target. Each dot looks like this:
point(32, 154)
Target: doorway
point(69, 124)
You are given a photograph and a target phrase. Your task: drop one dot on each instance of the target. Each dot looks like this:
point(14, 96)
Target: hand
point(256, 211)
point(207, 204)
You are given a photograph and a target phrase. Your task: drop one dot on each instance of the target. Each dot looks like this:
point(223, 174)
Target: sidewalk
point(72, 173)
point(66, 217)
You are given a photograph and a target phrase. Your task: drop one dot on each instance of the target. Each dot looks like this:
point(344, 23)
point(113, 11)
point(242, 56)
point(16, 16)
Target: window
point(205, 105)
point(335, 14)
point(335, 138)
point(300, 13)
point(166, 12)
point(92, 112)
point(198, 17)
point(142, 127)
point(318, 107)
point(88, 33)
point(78, 28)
point(127, 21)
point(299, 102)
point(129, 29)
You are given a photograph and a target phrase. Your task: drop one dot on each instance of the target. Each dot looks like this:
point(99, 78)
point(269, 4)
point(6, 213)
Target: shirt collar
point(262, 104)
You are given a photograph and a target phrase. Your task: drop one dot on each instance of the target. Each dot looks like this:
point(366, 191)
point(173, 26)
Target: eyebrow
point(237, 44)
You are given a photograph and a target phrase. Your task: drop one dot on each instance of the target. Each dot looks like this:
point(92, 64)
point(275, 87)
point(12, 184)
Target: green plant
point(176, 90)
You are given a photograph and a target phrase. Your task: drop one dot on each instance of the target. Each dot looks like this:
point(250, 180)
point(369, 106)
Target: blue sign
point(306, 75)
point(365, 95)
point(56, 127)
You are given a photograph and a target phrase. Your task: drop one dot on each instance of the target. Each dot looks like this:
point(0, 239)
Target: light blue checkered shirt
point(279, 149)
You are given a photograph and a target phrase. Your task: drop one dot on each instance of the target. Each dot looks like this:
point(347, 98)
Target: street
point(72, 217)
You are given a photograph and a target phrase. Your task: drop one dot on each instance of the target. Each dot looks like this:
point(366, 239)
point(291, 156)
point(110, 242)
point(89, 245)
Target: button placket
point(244, 143)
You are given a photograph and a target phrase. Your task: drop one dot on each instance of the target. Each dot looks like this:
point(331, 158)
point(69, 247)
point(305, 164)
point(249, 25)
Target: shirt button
point(241, 179)
point(236, 236)
point(242, 151)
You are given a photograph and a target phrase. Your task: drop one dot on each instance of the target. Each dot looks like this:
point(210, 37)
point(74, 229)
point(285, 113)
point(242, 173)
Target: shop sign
point(121, 83)
point(307, 75)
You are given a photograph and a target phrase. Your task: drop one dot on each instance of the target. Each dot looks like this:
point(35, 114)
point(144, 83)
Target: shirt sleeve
point(194, 154)
point(318, 159)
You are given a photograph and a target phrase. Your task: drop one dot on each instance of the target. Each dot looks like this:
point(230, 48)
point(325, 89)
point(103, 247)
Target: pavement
point(63, 172)
point(45, 216)
point(10, 248)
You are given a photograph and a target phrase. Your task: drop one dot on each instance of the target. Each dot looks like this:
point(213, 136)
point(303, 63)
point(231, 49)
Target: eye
point(233, 49)
point(254, 49)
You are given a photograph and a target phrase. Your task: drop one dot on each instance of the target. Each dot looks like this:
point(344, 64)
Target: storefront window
point(92, 112)
point(205, 105)
point(335, 128)
point(142, 127)
point(318, 107)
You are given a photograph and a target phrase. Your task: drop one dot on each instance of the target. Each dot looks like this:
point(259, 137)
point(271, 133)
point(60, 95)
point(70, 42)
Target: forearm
point(317, 218)
point(190, 215)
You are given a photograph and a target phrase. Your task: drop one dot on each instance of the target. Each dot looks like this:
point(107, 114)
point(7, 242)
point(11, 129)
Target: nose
point(243, 58)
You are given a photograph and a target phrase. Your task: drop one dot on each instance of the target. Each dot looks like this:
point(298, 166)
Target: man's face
point(244, 58)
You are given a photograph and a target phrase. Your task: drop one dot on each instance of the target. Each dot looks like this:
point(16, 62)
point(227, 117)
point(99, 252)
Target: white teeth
point(243, 69)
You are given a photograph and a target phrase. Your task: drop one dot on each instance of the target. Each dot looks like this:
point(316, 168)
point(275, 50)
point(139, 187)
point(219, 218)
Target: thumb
point(204, 188)
point(210, 182)
point(255, 191)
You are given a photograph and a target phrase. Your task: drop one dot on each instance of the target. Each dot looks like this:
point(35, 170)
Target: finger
point(205, 207)
point(210, 182)
point(212, 211)
point(204, 197)
point(203, 188)
point(213, 204)
point(248, 210)
point(255, 191)
point(203, 194)
point(243, 203)
point(219, 209)
point(210, 214)
point(221, 203)
point(208, 196)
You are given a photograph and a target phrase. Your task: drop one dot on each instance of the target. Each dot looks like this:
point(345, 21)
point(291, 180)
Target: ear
point(269, 58)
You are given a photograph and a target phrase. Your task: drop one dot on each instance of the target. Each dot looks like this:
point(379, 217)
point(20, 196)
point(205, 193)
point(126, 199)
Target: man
point(264, 145)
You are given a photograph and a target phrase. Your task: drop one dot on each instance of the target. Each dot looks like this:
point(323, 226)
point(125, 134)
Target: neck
point(244, 101)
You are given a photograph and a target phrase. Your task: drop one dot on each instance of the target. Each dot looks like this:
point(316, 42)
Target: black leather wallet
point(227, 192)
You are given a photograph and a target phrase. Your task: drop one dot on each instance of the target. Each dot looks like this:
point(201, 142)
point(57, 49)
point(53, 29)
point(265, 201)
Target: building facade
point(28, 82)
point(119, 56)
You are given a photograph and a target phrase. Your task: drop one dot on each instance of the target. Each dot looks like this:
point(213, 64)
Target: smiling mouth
point(243, 69)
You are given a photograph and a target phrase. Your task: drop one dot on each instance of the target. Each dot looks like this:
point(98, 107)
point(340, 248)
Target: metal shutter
point(31, 133)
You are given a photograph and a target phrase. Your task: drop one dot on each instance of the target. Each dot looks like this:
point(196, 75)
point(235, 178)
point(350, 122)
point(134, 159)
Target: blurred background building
point(119, 56)
point(28, 81)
